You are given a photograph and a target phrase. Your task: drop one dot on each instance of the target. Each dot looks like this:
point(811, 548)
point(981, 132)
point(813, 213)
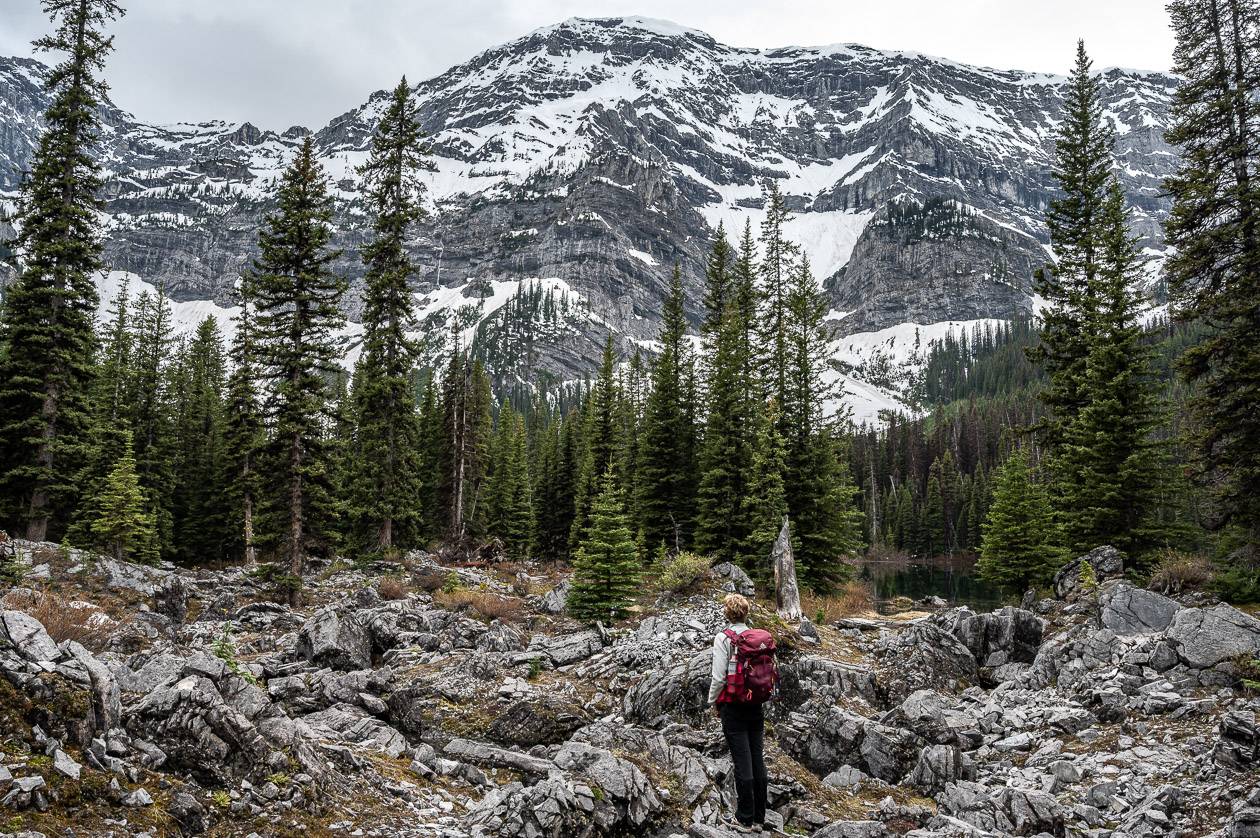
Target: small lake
point(952, 578)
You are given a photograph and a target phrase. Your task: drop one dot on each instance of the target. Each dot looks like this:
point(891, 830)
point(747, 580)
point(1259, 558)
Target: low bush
point(853, 598)
point(429, 579)
point(489, 605)
point(681, 572)
point(64, 620)
point(391, 587)
point(1176, 572)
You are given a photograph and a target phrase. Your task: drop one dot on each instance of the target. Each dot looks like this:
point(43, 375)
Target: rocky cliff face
point(592, 156)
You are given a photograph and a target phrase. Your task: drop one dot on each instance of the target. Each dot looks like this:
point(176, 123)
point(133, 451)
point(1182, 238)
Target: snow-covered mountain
point(574, 167)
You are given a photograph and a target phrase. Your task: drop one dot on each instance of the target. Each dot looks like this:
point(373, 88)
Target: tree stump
point(787, 596)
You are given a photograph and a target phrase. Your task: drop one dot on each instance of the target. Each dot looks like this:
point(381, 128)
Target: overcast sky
point(284, 62)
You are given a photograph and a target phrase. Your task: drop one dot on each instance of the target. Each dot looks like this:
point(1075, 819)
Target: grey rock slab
point(1128, 611)
point(27, 637)
point(64, 765)
point(1205, 637)
point(466, 750)
point(336, 640)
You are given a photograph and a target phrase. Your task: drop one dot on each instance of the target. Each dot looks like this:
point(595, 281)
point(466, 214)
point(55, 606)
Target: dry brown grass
point(1177, 572)
point(64, 619)
point(429, 579)
point(853, 599)
point(391, 587)
point(492, 606)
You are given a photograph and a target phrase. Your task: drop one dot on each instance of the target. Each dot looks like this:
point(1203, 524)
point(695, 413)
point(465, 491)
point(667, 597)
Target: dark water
point(951, 578)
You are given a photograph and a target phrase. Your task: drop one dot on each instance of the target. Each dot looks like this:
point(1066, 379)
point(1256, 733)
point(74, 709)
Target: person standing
point(742, 679)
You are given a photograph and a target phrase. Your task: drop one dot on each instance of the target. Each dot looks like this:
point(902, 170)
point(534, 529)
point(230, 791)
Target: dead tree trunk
point(787, 596)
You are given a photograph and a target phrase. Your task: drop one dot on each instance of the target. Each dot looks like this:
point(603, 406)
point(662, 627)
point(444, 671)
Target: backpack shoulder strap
point(732, 635)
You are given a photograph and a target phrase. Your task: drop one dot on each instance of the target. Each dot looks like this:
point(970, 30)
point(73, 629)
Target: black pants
point(744, 727)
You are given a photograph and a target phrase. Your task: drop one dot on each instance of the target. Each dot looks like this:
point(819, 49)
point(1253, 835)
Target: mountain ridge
point(594, 154)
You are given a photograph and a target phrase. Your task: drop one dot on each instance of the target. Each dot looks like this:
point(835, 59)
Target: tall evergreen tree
point(600, 444)
point(296, 295)
point(467, 425)
point(1109, 466)
point(1214, 228)
point(764, 503)
point(385, 478)
point(200, 512)
point(819, 488)
point(1019, 549)
point(606, 569)
point(244, 435)
point(1082, 168)
point(46, 336)
point(778, 264)
point(152, 408)
point(667, 473)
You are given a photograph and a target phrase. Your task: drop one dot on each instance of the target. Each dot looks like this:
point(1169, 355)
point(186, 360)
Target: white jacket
point(723, 660)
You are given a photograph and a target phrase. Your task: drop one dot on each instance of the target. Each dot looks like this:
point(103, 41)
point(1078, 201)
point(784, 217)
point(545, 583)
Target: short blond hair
point(736, 608)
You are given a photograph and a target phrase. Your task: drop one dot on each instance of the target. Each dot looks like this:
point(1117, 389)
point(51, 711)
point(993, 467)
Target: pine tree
point(778, 264)
point(467, 426)
point(1019, 548)
point(1214, 229)
point(819, 488)
point(46, 337)
point(152, 420)
point(667, 473)
point(599, 445)
point(718, 284)
point(428, 463)
point(1109, 466)
point(200, 512)
point(764, 503)
point(507, 495)
point(110, 425)
point(243, 436)
point(385, 476)
point(125, 528)
point(296, 296)
point(606, 569)
point(1083, 160)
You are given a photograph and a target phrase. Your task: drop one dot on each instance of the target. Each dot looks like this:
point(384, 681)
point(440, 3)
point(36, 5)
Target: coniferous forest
point(1027, 443)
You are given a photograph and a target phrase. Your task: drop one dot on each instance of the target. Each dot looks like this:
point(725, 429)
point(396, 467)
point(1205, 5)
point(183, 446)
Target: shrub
point(853, 598)
point(429, 579)
point(681, 572)
point(489, 605)
point(65, 620)
point(451, 585)
point(391, 587)
point(1177, 572)
point(535, 669)
point(1089, 578)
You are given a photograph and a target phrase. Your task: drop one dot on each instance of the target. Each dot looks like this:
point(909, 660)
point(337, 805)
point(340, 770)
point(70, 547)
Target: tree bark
point(787, 596)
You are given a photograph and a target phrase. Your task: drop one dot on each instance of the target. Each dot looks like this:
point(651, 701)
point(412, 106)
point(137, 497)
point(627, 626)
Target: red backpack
point(756, 676)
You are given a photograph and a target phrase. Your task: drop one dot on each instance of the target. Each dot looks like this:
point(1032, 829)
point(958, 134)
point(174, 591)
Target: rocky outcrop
point(330, 638)
point(1208, 637)
point(825, 740)
point(1128, 610)
point(1106, 563)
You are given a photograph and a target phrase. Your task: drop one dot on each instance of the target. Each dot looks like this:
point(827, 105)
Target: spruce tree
point(1214, 228)
point(820, 490)
point(1019, 548)
point(778, 264)
point(152, 420)
point(667, 470)
point(606, 568)
point(244, 436)
point(1109, 466)
point(600, 444)
point(125, 527)
point(764, 503)
point(1082, 168)
point(46, 336)
point(463, 457)
point(296, 295)
point(385, 476)
point(200, 512)
point(718, 284)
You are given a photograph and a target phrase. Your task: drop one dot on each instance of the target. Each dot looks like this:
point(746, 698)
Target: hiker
point(743, 678)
